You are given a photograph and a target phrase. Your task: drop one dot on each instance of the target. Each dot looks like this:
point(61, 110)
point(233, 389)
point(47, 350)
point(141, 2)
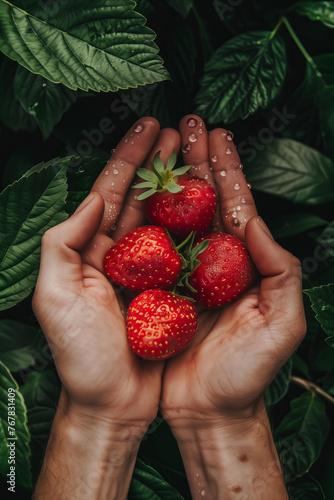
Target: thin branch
point(310, 386)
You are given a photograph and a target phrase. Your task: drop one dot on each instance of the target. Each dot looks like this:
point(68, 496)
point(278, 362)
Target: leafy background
point(72, 80)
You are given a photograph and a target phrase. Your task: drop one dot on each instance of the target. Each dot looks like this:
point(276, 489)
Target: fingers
point(235, 199)
point(115, 179)
point(195, 150)
point(60, 258)
point(132, 214)
point(280, 298)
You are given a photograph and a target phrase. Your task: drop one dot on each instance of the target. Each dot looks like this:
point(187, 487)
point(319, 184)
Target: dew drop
point(132, 142)
point(234, 214)
point(126, 140)
point(203, 493)
point(214, 158)
point(113, 151)
point(229, 136)
point(238, 208)
point(193, 137)
point(201, 124)
point(249, 186)
point(236, 222)
point(243, 200)
point(186, 148)
point(206, 176)
point(228, 151)
point(241, 166)
point(223, 173)
point(115, 171)
point(81, 169)
point(200, 131)
point(192, 122)
point(106, 172)
point(139, 128)
point(236, 186)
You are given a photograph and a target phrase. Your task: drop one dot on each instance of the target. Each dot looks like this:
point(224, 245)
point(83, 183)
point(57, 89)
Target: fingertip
point(184, 121)
point(148, 121)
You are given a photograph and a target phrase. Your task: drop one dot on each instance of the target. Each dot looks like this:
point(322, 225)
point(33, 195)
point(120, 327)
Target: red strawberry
point(160, 324)
point(144, 258)
point(177, 201)
point(225, 272)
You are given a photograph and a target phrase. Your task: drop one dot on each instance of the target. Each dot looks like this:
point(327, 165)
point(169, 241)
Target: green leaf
point(44, 101)
point(169, 101)
point(183, 7)
point(301, 434)
point(305, 488)
point(173, 188)
point(41, 389)
point(144, 7)
point(280, 385)
point(295, 223)
point(146, 194)
point(146, 174)
point(171, 162)
point(22, 345)
point(243, 75)
point(294, 171)
point(40, 420)
point(322, 298)
point(326, 239)
point(181, 170)
point(325, 106)
point(316, 11)
point(104, 46)
point(28, 207)
point(12, 113)
point(10, 394)
point(148, 484)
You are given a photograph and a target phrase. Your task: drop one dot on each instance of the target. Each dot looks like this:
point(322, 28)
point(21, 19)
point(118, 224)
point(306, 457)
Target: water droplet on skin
point(192, 122)
point(236, 222)
point(132, 142)
point(228, 151)
point(234, 214)
point(223, 173)
point(236, 186)
point(200, 131)
point(112, 183)
point(203, 493)
point(201, 124)
point(238, 208)
point(139, 128)
point(206, 176)
point(249, 186)
point(186, 148)
point(113, 151)
point(241, 166)
point(126, 140)
point(115, 171)
point(197, 474)
point(229, 136)
point(106, 172)
point(193, 137)
point(214, 158)
point(243, 200)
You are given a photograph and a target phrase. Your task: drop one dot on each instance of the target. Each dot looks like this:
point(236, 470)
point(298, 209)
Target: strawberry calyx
point(161, 178)
point(189, 260)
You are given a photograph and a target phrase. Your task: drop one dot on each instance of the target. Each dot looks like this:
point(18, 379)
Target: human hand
point(212, 393)
point(76, 306)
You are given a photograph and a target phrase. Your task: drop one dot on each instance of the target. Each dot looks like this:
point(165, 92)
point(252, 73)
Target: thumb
point(280, 299)
point(60, 258)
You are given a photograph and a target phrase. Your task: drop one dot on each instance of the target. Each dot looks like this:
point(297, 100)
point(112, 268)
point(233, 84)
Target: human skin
point(212, 394)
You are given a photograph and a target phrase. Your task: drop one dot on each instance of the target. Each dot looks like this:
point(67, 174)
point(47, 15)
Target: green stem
point(277, 27)
point(310, 386)
point(303, 50)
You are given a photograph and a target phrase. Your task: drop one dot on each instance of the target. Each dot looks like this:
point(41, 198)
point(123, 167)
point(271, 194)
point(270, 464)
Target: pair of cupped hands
point(236, 351)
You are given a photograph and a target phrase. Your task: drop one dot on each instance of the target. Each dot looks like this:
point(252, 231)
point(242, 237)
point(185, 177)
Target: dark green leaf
point(144, 7)
point(17, 165)
point(171, 161)
point(12, 113)
point(326, 239)
point(243, 75)
point(105, 46)
point(22, 345)
point(301, 434)
point(305, 488)
point(295, 223)
point(148, 484)
point(46, 102)
point(325, 106)
point(41, 389)
point(40, 420)
point(317, 11)
point(28, 207)
point(280, 385)
point(8, 387)
point(169, 101)
point(322, 298)
point(294, 171)
point(183, 7)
